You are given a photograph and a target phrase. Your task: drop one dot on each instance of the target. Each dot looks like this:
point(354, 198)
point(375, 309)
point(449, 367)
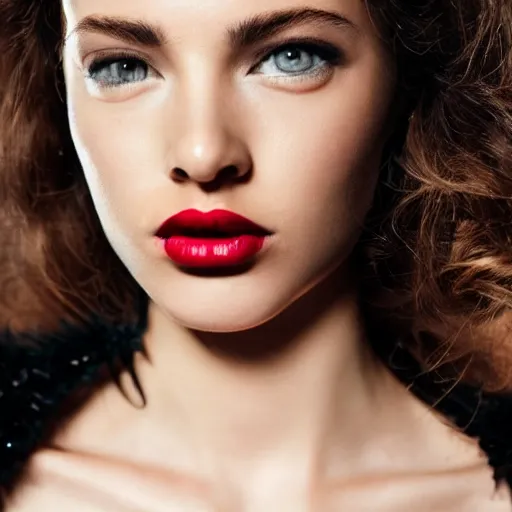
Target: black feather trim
point(486, 417)
point(38, 372)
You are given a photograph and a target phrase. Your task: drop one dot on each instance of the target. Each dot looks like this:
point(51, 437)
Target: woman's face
point(276, 110)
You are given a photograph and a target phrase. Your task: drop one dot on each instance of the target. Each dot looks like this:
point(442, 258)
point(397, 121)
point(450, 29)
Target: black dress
point(38, 372)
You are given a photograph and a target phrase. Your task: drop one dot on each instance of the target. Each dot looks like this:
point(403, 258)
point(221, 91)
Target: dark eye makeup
point(121, 67)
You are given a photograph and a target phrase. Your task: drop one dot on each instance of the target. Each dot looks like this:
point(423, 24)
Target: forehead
point(201, 16)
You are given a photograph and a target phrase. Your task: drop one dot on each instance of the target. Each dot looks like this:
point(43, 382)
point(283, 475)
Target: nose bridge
point(206, 141)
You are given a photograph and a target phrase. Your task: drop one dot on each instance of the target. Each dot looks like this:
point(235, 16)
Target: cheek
point(325, 156)
point(119, 157)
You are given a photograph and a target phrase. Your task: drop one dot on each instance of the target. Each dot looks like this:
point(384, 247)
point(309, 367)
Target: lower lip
point(213, 252)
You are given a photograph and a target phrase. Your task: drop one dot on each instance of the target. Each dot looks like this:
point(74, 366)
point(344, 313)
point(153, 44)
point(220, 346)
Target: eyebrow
point(130, 31)
point(242, 35)
point(264, 26)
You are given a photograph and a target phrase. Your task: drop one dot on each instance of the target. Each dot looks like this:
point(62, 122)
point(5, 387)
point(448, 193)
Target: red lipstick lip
point(218, 238)
point(188, 222)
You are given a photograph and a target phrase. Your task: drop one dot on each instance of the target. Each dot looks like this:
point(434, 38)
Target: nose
point(207, 149)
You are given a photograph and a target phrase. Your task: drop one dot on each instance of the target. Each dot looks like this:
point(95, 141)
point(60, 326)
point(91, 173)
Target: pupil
point(127, 65)
point(293, 54)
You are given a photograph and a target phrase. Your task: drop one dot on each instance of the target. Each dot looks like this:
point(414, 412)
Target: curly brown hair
point(437, 248)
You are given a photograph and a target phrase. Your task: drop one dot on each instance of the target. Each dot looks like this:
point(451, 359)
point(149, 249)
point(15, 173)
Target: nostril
point(225, 176)
point(179, 174)
point(231, 172)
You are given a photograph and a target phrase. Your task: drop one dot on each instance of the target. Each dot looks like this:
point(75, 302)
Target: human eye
point(118, 70)
point(299, 60)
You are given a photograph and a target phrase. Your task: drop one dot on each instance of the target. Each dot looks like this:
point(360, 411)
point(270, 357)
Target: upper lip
point(214, 222)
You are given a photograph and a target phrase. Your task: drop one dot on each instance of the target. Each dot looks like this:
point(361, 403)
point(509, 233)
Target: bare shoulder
point(84, 483)
point(471, 489)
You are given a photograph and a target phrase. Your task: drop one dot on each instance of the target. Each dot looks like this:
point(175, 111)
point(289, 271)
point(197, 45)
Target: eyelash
point(328, 54)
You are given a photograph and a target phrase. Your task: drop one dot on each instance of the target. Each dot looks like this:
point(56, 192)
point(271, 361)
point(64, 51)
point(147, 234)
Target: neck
point(288, 388)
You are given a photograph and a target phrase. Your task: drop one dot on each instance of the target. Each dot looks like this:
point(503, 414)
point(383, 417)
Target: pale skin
point(313, 423)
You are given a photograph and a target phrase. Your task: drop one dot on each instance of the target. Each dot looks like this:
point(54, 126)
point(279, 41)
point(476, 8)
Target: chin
point(223, 307)
point(215, 325)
